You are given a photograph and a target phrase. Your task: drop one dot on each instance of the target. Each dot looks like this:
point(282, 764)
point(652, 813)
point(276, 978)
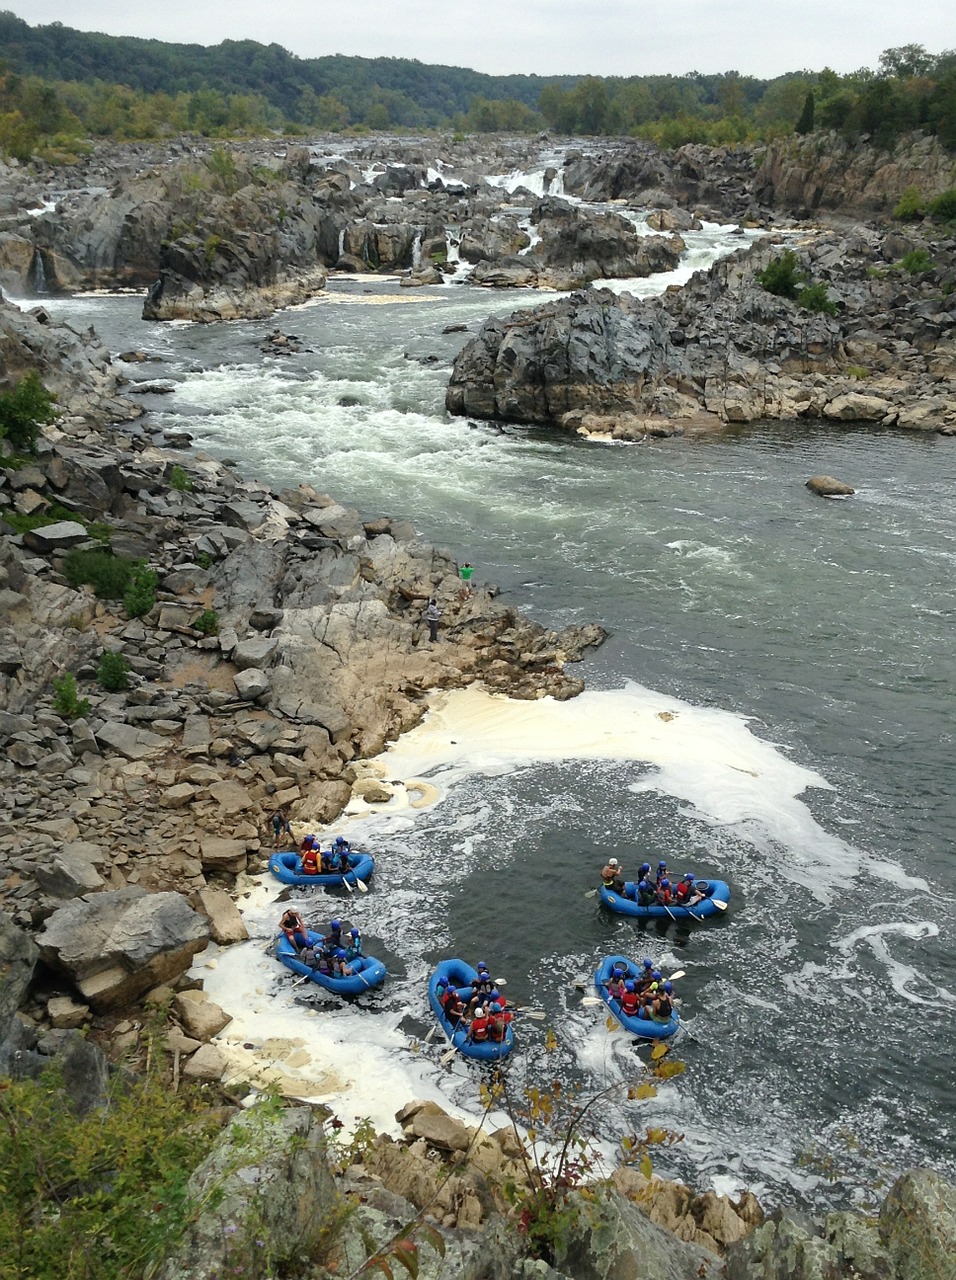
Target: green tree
point(805, 124)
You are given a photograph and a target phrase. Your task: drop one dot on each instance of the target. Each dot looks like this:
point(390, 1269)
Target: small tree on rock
point(805, 123)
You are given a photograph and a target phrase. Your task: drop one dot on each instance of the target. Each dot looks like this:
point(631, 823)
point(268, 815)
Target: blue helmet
point(496, 1008)
point(340, 840)
point(688, 875)
point(647, 962)
point(645, 866)
point(340, 954)
point(495, 993)
point(665, 884)
point(442, 982)
point(668, 987)
point(336, 926)
point(660, 865)
point(482, 967)
point(643, 885)
point(629, 985)
point(353, 933)
point(657, 975)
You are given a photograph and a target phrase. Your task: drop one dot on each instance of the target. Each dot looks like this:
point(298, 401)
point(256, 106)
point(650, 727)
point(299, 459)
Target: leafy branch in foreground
point(563, 1161)
point(98, 1193)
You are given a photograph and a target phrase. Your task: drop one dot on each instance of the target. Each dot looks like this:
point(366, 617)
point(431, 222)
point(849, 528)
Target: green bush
point(108, 575)
point(24, 410)
point(140, 596)
point(100, 1193)
point(112, 673)
point(781, 276)
point(943, 207)
point(916, 262)
point(204, 560)
point(814, 298)
point(910, 206)
point(65, 701)
point(857, 371)
point(207, 622)
point(179, 479)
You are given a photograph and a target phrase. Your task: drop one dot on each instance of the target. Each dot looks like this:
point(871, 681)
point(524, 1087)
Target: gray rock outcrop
point(116, 945)
point(723, 349)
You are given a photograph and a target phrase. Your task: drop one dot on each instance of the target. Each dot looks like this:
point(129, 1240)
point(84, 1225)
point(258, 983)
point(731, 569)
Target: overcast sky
point(547, 37)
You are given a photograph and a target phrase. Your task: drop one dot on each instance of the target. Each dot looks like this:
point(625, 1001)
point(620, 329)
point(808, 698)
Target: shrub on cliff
point(24, 410)
point(107, 574)
point(910, 207)
point(101, 1193)
point(943, 207)
point(781, 276)
point(140, 596)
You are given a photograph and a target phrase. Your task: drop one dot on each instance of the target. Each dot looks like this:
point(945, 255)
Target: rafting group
point(656, 894)
point(470, 1010)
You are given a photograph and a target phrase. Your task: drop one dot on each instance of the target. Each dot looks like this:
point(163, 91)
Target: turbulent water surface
point(774, 707)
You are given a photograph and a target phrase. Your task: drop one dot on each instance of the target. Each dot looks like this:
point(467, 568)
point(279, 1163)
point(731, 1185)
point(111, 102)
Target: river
point(773, 707)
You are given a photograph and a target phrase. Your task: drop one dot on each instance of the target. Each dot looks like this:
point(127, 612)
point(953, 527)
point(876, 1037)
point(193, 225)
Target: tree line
point(61, 86)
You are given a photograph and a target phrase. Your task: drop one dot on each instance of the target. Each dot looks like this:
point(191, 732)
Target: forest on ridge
point(60, 87)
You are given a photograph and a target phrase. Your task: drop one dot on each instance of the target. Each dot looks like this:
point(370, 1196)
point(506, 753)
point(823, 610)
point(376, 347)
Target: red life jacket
point(684, 890)
point(630, 1003)
point(310, 863)
point(479, 1029)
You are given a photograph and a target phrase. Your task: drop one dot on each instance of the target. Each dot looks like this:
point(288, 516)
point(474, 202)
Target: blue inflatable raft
point(648, 1028)
point(461, 975)
point(625, 903)
point(287, 867)
point(367, 972)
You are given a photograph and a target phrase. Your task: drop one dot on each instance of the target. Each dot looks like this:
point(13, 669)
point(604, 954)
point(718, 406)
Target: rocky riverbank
point(285, 644)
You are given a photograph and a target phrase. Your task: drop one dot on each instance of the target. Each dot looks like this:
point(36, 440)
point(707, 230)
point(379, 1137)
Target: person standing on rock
point(464, 572)
point(432, 614)
point(280, 826)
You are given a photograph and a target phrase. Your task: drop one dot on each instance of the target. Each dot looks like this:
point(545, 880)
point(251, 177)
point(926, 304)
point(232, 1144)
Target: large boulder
point(118, 944)
point(265, 1185)
point(918, 1226)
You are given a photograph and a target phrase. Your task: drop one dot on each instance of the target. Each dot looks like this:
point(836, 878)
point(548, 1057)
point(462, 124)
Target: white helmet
point(480, 1012)
point(613, 862)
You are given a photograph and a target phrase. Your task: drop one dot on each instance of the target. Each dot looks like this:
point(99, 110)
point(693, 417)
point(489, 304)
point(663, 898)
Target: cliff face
point(823, 172)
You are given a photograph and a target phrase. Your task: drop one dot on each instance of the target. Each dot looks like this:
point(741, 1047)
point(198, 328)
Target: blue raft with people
point(648, 1028)
point(458, 974)
point(367, 972)
point(287, 867)
point(714, 899)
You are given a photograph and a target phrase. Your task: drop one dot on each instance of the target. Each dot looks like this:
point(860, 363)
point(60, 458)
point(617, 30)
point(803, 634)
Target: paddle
point(591, 893)
point(361, 885)
point(718, 903)
point(447, 1057)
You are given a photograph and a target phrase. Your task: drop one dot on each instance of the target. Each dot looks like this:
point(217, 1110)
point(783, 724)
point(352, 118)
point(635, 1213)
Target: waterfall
point(417, 250)
point(37, 274)
point(341, 242)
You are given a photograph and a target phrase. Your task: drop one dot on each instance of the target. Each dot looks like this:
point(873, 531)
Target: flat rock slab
point(134, 744)
point(56, 537)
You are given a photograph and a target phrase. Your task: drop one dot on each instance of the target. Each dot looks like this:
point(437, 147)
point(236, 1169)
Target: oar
point(592, 1000)
point(345, 881)
point(538, 1015)
point(718, 903)
point(361, 885)
point(591, 893)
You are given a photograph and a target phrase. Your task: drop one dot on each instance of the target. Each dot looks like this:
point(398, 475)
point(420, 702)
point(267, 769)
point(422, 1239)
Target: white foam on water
point(904, 978)
point(704, 756)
